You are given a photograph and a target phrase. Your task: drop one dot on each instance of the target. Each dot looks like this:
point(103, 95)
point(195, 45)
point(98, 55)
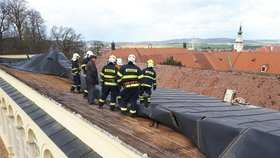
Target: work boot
point(112, 108)
point(85, 95)
point(92, 103)
point(146, 103)
point(119, 101)
point(72, 90)
point(132, 115)
point(146, 100)
point(100, 105)
point(124, 112)
point(79, 89)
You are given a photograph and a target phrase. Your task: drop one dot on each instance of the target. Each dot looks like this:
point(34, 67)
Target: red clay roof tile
point(220, 61)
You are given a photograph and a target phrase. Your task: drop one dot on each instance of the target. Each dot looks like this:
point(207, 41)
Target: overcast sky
point(153, 20)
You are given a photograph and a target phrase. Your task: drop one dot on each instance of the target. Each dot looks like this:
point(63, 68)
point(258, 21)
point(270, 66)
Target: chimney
point(185, 45)
point(113, 46)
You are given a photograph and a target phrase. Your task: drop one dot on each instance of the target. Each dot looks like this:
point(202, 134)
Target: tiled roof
point(253, 62)
point(144, 54)
point(214, 61)
point(203, 61)
point(188, 60)
point(122, 52)
point(270, 49)
point(162, 51)
point(220, 61)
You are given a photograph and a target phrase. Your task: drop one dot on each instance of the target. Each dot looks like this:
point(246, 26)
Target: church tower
point(238, 44)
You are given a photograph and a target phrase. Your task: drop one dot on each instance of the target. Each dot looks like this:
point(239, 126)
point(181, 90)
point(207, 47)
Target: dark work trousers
point(91, 94)
point(144, 89)
point(105, 92)
point(130, 94)
point(76, 84)
point(119, 95)
point(86, 89)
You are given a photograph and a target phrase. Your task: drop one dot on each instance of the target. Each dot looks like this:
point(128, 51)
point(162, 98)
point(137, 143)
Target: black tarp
point(218, 128)
point(52, 63)
point(7, 60)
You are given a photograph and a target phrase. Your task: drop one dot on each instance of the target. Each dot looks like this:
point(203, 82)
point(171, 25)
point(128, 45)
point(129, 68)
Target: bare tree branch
point(18, 14)
point(67, 40)
point(4, 23)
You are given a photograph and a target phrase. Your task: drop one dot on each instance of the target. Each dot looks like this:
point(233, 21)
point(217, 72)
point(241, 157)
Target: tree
point(18, 15)
point(67, 40)
point(35, 27)
point(35, 31)
point(171, 61)
point(4, 23)
point(96, 47)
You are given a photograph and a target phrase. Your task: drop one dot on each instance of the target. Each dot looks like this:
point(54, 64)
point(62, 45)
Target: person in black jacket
point(128, 77)
point(108, 76)
point(76, 73)
point(84, 67)
point(91, 78)
point(148, 81)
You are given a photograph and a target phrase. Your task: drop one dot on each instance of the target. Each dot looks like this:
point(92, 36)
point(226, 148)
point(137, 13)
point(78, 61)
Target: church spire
point(238, 44)
point(240, 30)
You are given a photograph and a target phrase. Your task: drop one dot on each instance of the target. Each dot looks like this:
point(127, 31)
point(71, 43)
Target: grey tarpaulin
point(7, 60)
point(52, 63)
point(218, 128)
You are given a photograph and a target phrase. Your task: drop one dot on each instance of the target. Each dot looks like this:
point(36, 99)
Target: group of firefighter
point(125, 83)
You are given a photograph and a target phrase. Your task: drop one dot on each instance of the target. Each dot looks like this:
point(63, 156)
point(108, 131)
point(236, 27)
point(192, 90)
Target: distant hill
point(199, 41)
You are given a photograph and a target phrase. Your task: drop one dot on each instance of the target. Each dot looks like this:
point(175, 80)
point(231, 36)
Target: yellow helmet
point(150, 63)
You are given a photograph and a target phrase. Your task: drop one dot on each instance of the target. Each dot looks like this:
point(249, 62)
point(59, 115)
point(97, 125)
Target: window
point(264, 68)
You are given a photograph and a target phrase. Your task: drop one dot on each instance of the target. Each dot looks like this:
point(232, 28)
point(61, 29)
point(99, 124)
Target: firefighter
point(128, 77)
point(76, 73)
point(108, 76)
point(148, 81)
point(119, 66)
point(84, 67)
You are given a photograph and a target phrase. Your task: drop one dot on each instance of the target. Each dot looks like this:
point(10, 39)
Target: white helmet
point(88, 54)
point(75, 57)
point(119, 61)
point(131, 58)
point(112, 59)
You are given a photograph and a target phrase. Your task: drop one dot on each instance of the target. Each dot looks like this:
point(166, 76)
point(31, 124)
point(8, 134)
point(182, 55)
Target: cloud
point(145, 20)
